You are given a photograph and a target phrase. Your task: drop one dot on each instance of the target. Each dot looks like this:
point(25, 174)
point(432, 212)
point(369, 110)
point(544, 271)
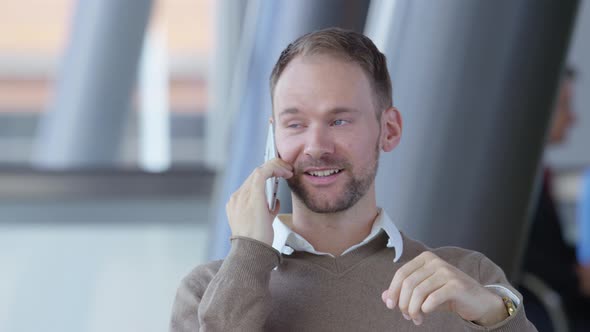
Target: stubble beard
point(354, 189)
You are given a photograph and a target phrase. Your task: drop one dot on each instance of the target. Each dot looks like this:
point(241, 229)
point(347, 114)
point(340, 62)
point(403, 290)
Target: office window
point(34, 35)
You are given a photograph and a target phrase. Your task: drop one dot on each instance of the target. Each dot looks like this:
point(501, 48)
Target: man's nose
point(318, 143)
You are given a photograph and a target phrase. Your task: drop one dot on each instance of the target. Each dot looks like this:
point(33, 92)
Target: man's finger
point(401, 274)
point(421, 292)
point(438, 300)
point(409, 284)
point(272, 168)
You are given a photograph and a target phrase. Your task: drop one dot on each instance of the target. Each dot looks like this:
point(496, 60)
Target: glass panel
point(32, 36)
point(33, 41)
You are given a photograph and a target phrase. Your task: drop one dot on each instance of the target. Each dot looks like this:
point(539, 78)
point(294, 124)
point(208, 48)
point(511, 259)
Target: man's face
point(326, 126)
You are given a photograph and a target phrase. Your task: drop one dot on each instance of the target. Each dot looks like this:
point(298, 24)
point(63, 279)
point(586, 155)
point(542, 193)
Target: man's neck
point(335, 232)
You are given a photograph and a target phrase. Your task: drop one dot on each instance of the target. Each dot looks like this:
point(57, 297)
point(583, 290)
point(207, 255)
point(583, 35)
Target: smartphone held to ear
point(272, 184)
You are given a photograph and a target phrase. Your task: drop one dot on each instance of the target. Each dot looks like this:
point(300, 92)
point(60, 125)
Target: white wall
point(119, 275)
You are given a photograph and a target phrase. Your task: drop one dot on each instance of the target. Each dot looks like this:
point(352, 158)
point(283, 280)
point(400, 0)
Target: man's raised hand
point(427, 283)
point(247, 209)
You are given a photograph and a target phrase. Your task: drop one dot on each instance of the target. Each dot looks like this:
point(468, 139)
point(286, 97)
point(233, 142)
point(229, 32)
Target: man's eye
point(294, 125)
point(339, 122)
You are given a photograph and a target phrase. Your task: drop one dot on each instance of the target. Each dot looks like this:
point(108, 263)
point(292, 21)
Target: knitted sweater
point(308, 292)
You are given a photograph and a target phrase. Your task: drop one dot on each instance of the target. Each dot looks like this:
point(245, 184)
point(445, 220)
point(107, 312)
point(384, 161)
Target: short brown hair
point(349, 45)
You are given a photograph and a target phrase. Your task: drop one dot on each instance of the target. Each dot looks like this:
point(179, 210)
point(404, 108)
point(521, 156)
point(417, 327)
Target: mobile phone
point(272, 184)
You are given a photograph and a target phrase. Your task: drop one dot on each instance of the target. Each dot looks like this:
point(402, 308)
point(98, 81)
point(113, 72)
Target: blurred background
point(124, 127)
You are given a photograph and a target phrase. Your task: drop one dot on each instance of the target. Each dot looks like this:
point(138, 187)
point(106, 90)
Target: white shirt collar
point(286, 240)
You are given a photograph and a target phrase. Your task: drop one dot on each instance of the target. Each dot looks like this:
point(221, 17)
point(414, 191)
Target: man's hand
point(247, 209)
point(428, 283)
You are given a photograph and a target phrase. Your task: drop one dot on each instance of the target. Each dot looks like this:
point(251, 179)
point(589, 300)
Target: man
point(338, 262)
point(548, 256)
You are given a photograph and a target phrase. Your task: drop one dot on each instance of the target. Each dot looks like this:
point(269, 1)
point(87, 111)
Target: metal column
point(84, 124)
point(475, 83)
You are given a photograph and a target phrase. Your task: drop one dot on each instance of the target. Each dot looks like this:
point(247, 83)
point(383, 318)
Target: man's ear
point(270, 120)
point(391, 128)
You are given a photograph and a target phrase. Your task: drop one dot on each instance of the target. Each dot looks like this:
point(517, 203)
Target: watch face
point(509, 305)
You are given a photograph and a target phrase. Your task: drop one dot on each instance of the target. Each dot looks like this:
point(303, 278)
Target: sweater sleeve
point(237, 297)
point(491, 274)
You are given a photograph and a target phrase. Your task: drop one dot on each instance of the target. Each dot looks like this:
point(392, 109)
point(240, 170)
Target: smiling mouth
point(324, 173)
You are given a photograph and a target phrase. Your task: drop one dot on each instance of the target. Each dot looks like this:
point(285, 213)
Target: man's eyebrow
point(288, 111)
point(339, 110)
point(336, 110)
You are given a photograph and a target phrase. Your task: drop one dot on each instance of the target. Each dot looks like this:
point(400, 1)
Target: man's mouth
point(324, 173)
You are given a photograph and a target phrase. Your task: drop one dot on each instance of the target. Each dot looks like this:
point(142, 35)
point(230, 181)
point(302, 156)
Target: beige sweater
point(308, 292)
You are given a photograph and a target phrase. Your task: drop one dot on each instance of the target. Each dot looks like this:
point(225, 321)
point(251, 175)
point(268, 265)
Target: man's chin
point(325, 203)
point(325, 207)
point(328, 199)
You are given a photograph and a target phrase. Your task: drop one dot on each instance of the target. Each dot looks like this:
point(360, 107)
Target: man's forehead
point(323, 79)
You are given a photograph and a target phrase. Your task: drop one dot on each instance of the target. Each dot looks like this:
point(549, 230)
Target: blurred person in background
point(548, 256)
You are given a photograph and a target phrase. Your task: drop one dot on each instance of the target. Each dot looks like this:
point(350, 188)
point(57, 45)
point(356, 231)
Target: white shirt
point(286, 241)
